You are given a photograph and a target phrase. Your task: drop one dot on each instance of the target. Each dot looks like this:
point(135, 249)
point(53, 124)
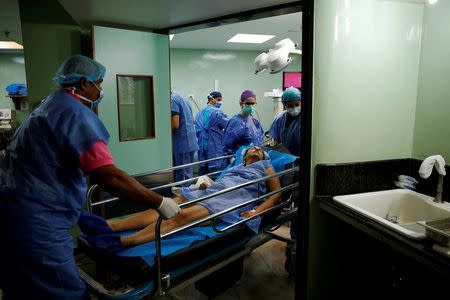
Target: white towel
point(427, 166)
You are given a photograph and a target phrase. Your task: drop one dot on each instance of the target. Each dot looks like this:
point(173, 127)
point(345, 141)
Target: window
point(136, 107)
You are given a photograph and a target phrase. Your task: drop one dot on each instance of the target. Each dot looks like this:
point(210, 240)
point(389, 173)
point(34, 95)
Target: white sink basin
point(398, 209)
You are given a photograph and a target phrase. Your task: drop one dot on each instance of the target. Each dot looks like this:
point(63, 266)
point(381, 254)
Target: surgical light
point(277, 59)
point(250, 38)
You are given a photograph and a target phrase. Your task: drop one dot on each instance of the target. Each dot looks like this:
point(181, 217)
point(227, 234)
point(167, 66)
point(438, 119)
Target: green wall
point(366, 64)
point(194, 71)
point(49, 37)
point(432, 128)
point(366, 61)
point(12, 70)
point(136, 53)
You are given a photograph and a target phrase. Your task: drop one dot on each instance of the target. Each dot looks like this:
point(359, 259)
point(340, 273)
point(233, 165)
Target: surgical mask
point(218, 104)
point(294, 111)
point(247, 110)
point(94, 104)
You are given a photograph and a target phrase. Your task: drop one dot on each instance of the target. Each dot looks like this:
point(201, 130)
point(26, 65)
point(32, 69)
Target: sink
point(398, 209)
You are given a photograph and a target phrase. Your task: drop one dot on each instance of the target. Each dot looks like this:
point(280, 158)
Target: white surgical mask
point(93, 103)
point(294, 111)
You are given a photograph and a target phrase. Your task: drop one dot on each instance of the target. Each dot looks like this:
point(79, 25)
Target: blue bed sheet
point(170, 244)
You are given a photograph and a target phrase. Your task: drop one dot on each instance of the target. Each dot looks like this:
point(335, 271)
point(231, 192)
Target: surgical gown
point(232, 177)
point(210, 123)
point(241, 131)
point(288, 136)
point(184, 140)
point(42, 191)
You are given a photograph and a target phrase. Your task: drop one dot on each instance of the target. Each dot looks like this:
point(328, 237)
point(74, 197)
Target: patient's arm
point(272, 184)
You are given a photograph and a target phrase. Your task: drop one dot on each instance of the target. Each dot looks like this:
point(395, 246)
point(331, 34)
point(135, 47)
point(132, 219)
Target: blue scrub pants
point(182, 159)
point(25, 274)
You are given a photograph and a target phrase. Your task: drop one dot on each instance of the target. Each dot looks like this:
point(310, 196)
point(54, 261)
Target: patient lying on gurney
point(102, 234)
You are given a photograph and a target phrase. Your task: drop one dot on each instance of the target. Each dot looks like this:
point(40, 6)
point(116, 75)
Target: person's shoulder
point(218, 112)
point(236, 118)
point(255, 121)
point(280, 116)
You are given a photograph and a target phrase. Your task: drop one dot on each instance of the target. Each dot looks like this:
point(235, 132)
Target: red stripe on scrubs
point(97, 156)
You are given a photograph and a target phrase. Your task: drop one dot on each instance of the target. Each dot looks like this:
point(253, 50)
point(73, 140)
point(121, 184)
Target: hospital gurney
point(209, 251)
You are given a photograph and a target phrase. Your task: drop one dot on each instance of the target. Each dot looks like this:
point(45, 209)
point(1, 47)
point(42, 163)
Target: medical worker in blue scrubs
point(43, 185)
point(243, 129)
point(184, 140)
point(210, 123)
point(285, 129)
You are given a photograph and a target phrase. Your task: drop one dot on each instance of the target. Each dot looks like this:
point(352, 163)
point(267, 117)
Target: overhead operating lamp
point(277, 59)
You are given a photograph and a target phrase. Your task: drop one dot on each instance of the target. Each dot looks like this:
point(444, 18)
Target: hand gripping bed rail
point(158, 236)
point(94, 187)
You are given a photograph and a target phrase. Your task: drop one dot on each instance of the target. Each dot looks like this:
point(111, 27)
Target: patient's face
point(254, 152)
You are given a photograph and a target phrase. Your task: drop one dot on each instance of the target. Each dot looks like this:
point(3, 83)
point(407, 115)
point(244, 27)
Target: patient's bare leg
point(139, 220)
point(147, 234)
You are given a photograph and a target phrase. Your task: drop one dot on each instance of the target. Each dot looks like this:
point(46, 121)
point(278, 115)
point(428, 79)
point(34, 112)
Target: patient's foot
point(91, 224)
point(106, 242)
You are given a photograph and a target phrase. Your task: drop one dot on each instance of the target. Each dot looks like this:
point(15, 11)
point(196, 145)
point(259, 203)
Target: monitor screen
point(292, 79)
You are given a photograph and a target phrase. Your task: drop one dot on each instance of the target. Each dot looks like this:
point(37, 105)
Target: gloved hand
point(168, 208)
point(105, 242)
point(92, 224)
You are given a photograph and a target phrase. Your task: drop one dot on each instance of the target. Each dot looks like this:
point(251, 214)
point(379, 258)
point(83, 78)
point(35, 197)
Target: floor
point(264, 276)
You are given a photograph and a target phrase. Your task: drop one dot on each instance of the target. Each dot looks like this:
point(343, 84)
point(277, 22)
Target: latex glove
point(168, 208)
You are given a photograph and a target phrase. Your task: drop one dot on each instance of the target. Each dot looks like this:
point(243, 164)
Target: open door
point(136, 106)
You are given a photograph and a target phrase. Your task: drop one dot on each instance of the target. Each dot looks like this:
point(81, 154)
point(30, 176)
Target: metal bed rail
point(95, 187)
point(158, 236)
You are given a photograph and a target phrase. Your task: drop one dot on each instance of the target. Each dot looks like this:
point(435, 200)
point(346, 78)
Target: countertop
point(420, 251)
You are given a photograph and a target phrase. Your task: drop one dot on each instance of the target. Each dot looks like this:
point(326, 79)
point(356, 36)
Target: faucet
point(426, 168)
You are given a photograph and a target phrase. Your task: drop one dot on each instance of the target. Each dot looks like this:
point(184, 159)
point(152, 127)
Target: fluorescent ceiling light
point(432, 1)
point(171, 36)
point(10, 45)
point(250, 38)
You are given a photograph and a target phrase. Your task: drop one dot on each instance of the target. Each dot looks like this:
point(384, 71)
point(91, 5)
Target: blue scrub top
point(241, 131)
point(290, 136)
point(42, 189)
point(210, 123)
point(184, 139)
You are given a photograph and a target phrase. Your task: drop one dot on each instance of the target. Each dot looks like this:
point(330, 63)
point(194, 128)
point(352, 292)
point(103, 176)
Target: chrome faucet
point(426, 168)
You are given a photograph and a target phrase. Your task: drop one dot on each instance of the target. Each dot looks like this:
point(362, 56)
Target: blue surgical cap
point(77, 67)
point(291, 94)
point(215, 94)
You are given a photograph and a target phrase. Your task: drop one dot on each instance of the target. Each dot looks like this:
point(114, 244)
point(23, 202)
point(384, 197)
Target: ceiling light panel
point(250, 38)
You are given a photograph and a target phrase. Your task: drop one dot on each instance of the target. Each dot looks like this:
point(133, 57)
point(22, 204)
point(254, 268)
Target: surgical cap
point(291, 94)
point(215, 94)
point(77, 67)
point(247, 94)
